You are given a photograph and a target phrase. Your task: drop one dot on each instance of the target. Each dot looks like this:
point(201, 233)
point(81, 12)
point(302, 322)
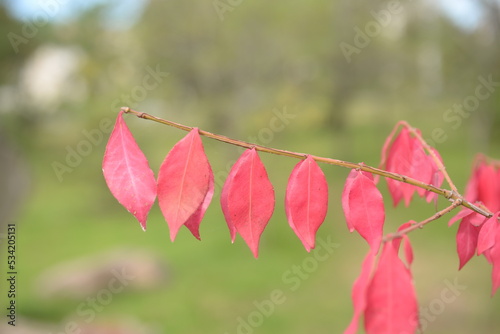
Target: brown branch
point(448, 194)
point(421, 224)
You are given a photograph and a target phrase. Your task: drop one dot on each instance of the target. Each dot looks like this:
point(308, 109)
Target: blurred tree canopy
point(223, 65)
point(227, 60)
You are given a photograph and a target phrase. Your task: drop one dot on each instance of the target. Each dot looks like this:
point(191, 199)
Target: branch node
point(449, 195)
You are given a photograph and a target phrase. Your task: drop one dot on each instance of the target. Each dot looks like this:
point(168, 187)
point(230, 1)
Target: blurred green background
point(343, 71)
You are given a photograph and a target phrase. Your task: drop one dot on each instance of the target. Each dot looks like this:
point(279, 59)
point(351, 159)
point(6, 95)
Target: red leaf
point(487, 254)
point(345, 195)
point(467, 236)
point(408, 249)
point(193, 223)
point(498, 188)
point(495, 260)
point(422, 166)
point(494, 256)
point(359, 292)
point(487, 234)
point(471, 193)
point(460, 215)
point(185, 185)
point(306, 200)
point(366, 210)
point(488, 187)
point(391, 301)
point(224, 202)
point(345, 198)
point(476, 219)
point(127, 173)
point(437, 176)
point(397, 242)
point(472, 217)
point(386, 146)
point(400, 161)
point(248, 199)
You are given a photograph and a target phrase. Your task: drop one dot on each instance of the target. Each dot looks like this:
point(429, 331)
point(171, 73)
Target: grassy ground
point(215, 285)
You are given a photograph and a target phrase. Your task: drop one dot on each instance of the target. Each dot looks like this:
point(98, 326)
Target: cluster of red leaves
point(406, 155)
point(185, 187)
point(383, 293)
point(477, 234)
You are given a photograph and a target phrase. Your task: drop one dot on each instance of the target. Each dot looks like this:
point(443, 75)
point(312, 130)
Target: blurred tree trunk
point(342, 72)
point(488, 54)
point(14, 181)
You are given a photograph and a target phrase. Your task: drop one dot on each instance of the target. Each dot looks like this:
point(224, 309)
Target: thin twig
point(436, 159)
point(449, 194)
point(421, 224)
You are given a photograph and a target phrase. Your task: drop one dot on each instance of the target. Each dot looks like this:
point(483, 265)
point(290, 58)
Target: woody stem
point(449, 194)
point(421, 224)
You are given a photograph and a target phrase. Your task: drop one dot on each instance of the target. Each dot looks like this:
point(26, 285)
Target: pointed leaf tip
point(247, 199)
point(306, 201)
point(127, 172)
point(185, 185)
